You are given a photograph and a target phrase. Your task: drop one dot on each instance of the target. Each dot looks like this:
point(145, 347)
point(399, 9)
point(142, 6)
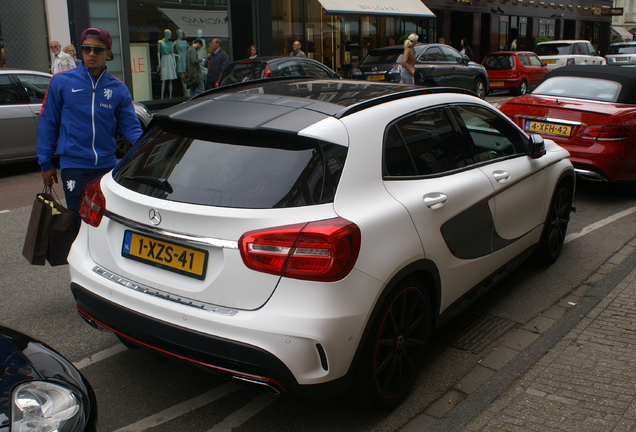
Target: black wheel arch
point(423, 270)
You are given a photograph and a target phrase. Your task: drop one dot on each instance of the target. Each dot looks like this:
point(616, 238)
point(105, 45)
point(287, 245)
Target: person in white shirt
point(61, 60)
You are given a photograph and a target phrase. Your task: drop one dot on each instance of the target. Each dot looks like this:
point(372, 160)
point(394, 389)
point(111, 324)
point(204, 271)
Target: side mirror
point(465, 60)
point(537, 146)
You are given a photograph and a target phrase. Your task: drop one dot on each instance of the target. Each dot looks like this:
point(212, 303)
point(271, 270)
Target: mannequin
point(202, 52)
point(167, 64)
point(180, 48)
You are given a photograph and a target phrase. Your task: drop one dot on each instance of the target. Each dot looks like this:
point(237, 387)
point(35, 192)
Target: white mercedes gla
point(307, 236)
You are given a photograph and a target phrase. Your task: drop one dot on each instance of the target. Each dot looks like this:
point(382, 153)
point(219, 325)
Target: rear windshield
point(240, 72)
point(622, 49)
point(499, 62)
point(239, 169)
point(553, 49)
point(580, 88)
point(382, 57)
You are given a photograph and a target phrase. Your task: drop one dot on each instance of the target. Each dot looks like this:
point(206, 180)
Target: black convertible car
point(40, 390)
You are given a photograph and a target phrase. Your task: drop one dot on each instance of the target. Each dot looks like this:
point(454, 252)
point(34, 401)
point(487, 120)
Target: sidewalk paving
point(573, 368)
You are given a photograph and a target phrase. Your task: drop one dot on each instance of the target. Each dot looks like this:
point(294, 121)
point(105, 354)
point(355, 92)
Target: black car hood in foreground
point(23, 359)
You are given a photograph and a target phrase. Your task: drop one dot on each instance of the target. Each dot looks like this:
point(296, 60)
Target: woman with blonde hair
point(407, 74)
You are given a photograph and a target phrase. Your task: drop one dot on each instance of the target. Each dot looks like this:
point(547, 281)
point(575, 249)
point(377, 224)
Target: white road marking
point(102, 355)
point(600, 224)
point(4, 211)
point(181, 409)
point(244, 414)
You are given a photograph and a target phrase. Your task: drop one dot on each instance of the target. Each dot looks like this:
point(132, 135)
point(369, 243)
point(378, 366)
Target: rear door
point(18, 121)
point(450, 202)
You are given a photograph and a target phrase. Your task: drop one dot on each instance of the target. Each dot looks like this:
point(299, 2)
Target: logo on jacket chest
point(108, 94)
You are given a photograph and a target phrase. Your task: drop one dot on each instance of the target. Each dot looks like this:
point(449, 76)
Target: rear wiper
point(159, 183)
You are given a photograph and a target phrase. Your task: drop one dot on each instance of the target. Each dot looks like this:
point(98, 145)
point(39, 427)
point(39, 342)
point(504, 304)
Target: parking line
point(600, 224)
point(4, 211)
point(102, 355)
point(181, 409)
point(244, 414)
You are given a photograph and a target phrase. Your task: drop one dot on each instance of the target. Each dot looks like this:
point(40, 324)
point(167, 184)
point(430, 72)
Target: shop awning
point(377, 7)
point(624, 33)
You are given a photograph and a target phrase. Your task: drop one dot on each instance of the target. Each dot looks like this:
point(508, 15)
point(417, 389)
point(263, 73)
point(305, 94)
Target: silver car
point(21, 95)
point(622, 54)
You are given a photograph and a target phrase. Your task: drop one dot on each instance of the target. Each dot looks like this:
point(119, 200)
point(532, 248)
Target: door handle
point(435, 200)
point(501, 176)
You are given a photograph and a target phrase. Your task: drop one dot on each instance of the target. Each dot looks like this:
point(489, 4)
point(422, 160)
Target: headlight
point(40, 406)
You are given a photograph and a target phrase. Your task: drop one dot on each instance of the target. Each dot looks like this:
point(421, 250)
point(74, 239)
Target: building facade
point(336, 32)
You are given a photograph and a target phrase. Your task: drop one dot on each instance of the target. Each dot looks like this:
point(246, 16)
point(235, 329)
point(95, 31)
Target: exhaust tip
point(259, 385)
point(591, 175)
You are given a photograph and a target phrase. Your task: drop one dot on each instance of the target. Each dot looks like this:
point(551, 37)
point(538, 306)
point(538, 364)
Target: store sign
point(211, 23)
point(377, 7)
point(615, 11)
point(140, 68)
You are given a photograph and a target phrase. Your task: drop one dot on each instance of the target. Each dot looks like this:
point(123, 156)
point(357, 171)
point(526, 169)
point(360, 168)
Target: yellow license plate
point(164, 254)
point(375, 77)
point(549, 128)
point(496, 83)
point(549, 61)
point(622, 58)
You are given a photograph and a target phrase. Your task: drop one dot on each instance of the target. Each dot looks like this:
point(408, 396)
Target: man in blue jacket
point(81, 112)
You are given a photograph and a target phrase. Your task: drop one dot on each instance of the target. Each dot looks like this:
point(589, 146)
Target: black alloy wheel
point(396, 346)
point(556, 224)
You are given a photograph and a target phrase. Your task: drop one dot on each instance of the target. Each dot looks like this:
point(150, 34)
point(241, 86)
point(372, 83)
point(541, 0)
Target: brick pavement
point(573, 368)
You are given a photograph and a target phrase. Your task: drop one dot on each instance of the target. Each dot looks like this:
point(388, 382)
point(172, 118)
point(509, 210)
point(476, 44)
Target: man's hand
point(49, 177)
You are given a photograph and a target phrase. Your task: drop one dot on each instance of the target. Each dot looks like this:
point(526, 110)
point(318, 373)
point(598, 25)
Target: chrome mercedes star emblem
point(154, 216)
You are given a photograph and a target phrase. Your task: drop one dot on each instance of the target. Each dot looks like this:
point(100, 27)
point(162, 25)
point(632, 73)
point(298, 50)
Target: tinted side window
point(314, 70)
point(422, 144)
point(492, 136)
point(452, 55)
point(35, 86)
point(432, 54)
point(523, 58)
point(8, 93)
point(534, 60)
point(289, 68)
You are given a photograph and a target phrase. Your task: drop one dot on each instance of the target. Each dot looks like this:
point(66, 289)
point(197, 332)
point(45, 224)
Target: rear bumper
point(504, 83)
point(246, 364)
point(226, 357)
point(604, 162)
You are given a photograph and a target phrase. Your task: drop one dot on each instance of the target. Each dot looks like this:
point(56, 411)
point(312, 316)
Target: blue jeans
point(199, 88)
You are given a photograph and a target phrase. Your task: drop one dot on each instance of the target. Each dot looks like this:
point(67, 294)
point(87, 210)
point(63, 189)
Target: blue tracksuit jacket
point(79, 118)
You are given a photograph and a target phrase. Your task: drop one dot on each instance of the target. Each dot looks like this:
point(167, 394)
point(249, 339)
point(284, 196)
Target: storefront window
point(160, 34)
point(339, 42)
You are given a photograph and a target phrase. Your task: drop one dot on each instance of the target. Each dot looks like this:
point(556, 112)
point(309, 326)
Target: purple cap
point(99, 34)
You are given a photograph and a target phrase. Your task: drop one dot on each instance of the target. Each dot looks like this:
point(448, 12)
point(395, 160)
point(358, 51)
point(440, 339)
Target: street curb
point(488, 392)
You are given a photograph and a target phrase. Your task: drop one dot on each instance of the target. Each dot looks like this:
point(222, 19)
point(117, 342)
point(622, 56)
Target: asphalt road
point(138, 392)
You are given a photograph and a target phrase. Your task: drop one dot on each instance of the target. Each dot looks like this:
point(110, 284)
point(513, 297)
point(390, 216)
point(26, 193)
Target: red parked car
point(516, 71)
point(589, 110)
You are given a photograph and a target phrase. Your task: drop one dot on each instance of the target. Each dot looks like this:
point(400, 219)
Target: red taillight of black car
point(609, 133)
point(93, 203)
point(324, 251)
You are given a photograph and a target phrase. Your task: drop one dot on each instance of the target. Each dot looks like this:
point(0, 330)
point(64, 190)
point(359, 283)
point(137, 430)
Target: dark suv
point(436, 65)
point(270, 67)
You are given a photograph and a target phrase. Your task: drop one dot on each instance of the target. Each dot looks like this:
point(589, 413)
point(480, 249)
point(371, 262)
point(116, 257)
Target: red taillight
point(609, 133)
point(268, 72)
point(93, 203)
point(323, 251)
